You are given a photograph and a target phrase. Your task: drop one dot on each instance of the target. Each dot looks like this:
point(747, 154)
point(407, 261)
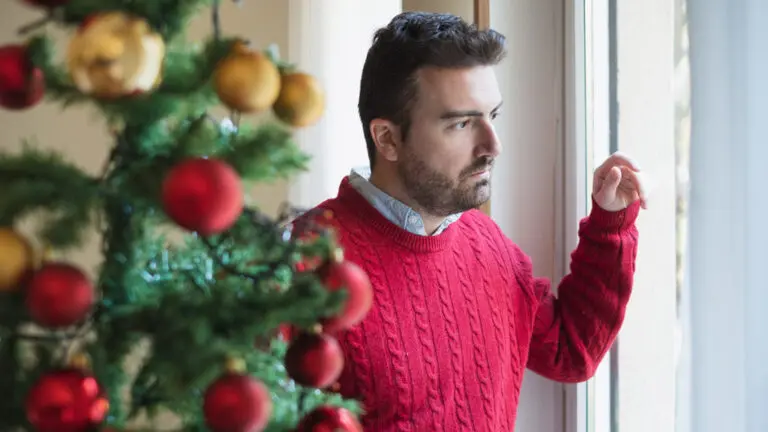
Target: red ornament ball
point(236, 402)
point(285, 332)
point(314, 360)
point(203, 195)
point(348, 275)
point(329, 419)
point(21, 83)
point(308, 264)
point(66, 400)
point(47, 3)
point(59, 295)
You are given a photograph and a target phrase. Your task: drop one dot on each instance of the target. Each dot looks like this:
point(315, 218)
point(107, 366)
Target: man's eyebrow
point(456, 114)
point(468, 113)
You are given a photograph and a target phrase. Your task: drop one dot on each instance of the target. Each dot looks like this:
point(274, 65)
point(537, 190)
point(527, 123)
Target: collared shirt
point(395, 211)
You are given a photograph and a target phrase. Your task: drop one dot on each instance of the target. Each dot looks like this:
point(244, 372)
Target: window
point(628, 72)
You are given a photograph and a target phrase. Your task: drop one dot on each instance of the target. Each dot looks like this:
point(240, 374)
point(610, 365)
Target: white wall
point(331, 38)
point(526, 177)
point(462, 8)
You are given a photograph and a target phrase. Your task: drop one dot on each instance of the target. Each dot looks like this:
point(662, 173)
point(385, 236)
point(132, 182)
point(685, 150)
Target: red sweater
point(457, 317)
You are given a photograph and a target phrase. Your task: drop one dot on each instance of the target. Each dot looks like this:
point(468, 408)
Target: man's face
point(445, 161)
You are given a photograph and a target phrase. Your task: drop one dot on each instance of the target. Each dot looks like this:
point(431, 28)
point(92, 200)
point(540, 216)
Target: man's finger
point(625, 160)
point(611, 183)
point(597, 184)
point(633, 181)
point(636, 179)
point(617, 159)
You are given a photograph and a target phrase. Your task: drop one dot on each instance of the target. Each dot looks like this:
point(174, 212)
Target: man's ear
point(386, 135)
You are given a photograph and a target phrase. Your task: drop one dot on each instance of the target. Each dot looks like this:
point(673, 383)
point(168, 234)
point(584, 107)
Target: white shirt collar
point(395, 211)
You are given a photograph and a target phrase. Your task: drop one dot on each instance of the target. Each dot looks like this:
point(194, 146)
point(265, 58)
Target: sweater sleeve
point(573, 331)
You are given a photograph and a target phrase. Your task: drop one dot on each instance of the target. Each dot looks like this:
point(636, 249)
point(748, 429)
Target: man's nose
point(490, 146)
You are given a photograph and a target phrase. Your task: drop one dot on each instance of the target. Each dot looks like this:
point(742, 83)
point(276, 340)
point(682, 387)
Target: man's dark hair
point(411, 41)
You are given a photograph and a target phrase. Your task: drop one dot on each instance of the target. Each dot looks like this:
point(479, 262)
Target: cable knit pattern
point(502, 263)
point(358, 360)
point(395, 343)
point(426, 341)
point(479, 347)
point(457, 317)
point(358, 363)
point(496, 320)
point(454, 345)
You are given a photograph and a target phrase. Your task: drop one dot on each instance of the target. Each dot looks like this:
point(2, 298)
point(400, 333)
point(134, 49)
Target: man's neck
point(395, 189)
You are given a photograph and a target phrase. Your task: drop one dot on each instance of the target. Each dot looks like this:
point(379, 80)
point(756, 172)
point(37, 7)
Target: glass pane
point(682, 150)
point(597, 24)
point(601, 49)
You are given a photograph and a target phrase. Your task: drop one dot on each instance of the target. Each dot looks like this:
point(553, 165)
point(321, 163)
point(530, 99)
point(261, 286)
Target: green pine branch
point(184, 90)
point(198, 302)
point(260, 154)
point(267, 153)
point(168, 17)
point(34, 180)
point(189, 302)
point(58, 85)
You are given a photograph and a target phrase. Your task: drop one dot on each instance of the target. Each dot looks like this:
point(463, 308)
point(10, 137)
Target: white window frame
point(598, 62)
point(638, 398)
point(588, 406)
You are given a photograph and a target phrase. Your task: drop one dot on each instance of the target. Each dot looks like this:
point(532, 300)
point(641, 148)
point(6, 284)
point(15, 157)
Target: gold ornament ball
point(235, 365)
point(45, 256)
point(301, 101)
point(246, 80)
point(80, 361)
point(115, 54)
point(16, 258)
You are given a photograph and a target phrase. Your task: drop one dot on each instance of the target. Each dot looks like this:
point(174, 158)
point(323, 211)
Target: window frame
point(578, 398)
point(588, 406)
point(622, 395)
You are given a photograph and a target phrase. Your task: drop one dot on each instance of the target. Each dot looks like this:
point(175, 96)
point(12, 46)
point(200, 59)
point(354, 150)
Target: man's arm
point(573, 331)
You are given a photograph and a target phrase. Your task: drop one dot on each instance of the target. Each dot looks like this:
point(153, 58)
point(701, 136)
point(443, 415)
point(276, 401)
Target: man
point(458, 314)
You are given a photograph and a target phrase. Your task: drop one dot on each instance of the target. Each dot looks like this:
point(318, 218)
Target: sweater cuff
point(611, 221)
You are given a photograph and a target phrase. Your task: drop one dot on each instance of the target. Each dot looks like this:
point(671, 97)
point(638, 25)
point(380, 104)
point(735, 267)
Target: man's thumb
point(611, 183)
point(614, 177)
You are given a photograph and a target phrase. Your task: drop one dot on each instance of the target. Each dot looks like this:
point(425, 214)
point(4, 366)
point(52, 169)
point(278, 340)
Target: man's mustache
point(482, 164)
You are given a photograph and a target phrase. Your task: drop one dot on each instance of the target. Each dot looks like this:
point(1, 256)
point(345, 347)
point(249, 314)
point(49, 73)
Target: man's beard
point(439, 195)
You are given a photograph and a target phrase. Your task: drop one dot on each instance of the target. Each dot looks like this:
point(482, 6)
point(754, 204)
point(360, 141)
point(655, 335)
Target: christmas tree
point(208, 309)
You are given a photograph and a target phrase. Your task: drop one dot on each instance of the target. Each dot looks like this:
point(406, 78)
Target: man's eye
point(461, 125)
point(494, 115)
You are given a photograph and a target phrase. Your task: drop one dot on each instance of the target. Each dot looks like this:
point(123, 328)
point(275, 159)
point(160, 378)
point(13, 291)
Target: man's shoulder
point(475, 219)
point(329, 215)
point(479, 226)
point(313, 218)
